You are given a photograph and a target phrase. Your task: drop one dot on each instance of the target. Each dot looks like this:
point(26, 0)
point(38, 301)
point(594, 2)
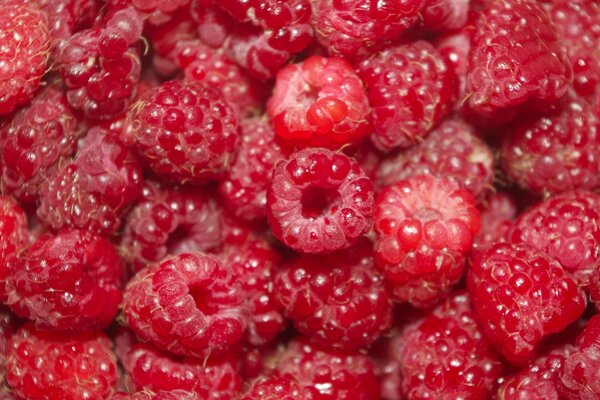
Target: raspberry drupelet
point(161, 395)
point(156, 12)
point(8, 326)
point(276, 386)
point(444, 15)
point(320, 201)
point(13, 237)
point(497, 213)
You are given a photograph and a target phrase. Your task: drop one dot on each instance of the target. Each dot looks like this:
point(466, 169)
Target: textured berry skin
point(154, 11)
point(185, 131)
point(319, 201)
point(444, 15)
point(56, 366)
point(355, 28)
point(162, 395)
point(13, 237)
point(25, 49)
point(277, 386)
point(68, 16)
point(189, 305)
point(447, 356)
point(94, 190)
point(319, 103)
point(8, 326)
point(521, 295)
point(516, 60)
point(452, 150)
point(34, 142)
point(410, 89)
point(566, 227)
point(339, 300)
point(169, 221)
point(555, 153)
point(244, 188)
point(497, 213)
point(425, 226)
point(71, 281)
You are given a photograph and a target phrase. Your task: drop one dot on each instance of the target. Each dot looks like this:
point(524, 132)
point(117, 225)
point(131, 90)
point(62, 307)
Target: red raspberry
point(277, 386)
point(319, 201)
point(410, 89)
point(8, 326)
point(367, 156)
point(566, 227)
point(13, 237)
point(556, 152)
point(453, 151)
point(516, 60)
point(94, 190)
point(521, 295)
point(154, 11)
point(497, 214)
point(443, 15)
point(185, 131)
point(169, 221)
point(320, 102)
point(446, 355)
point(244, 189)
point(338, 300)
point(355, 28)
point(25, 49)
point(162, 395)
point(57, 366)
point(68, 16)
point(190, 305)
point(425, 227)
point(71, 281)
point(34, 142)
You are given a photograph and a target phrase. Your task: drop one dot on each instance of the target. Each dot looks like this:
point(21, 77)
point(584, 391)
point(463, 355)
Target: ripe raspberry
point(190, 305)
point(367, 156)
point(444, 15)
point(68, 16)
point(13, 237)
point(34, 142)
point(8, 326)
point(355, 28)
point(410, 89)
point(153, 11)
point(319, 201)
point(566, 227)
point(447, 356)
point(521, 295)
point(452, 150)
point(93, 191)
point(244, 189)
point(339, 300)
point(319, 103)
point(277, 386)
point(57, 366)
point(516, 60)
point(162, 395)
point(425, 227)
point(497, 214)
point(185, 131)
point(24, 53)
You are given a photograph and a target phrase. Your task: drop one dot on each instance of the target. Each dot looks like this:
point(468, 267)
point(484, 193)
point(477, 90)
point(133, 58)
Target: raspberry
point(280, 387)
point(320, 102)
point(25, 49)
point(446, 355)
point(355, 28)
point(185, 131)
point(443, 15)
point(555, 153)
point(521, 295)
point(338, 300)
point(425, 226)
point(190, 305)
point(410, 89)
point(566, 227)
point(94, 190)
point(497, 214)
point(162, 395)
point(453, 151)
point(68, 16)
point(516, 60)
point(244, 188)
point(56, 365)
point(319, 201)
point(169, 221)
point(34, 142)
point(71, 281)
point(367, 156)
point(154, 11)
point(8, 326)
point(13, 237)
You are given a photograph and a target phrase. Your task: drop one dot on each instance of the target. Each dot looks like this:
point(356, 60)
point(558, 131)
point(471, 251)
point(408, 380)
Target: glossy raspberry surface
point(281, 387)
point(13, 237)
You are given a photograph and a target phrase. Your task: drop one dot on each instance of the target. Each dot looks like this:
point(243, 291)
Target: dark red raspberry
point(444, 15)
point(425, 227)
point(8, 326)
point(338, 300)
point(454, 151)
point(521, 295)
point(185, 131)
point(190, 305)
point(355, 28)
point(277, 386)
point(34, 142)
point(25, 49)
point(556, 152)
point(13, 237)
point(43, 365)
point(410, 89)
point(319, 201)
point(446, 355)
point(497, 214)
point(320, 102)
point(516, 60)
point(93, 191)
point(162, 395)
point(244, 188)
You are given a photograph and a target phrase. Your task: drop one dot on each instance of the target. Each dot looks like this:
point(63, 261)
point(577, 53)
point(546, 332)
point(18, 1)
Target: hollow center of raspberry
point(203, 299)
point(317, 201)
point(180, 240)
point(428, 214)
